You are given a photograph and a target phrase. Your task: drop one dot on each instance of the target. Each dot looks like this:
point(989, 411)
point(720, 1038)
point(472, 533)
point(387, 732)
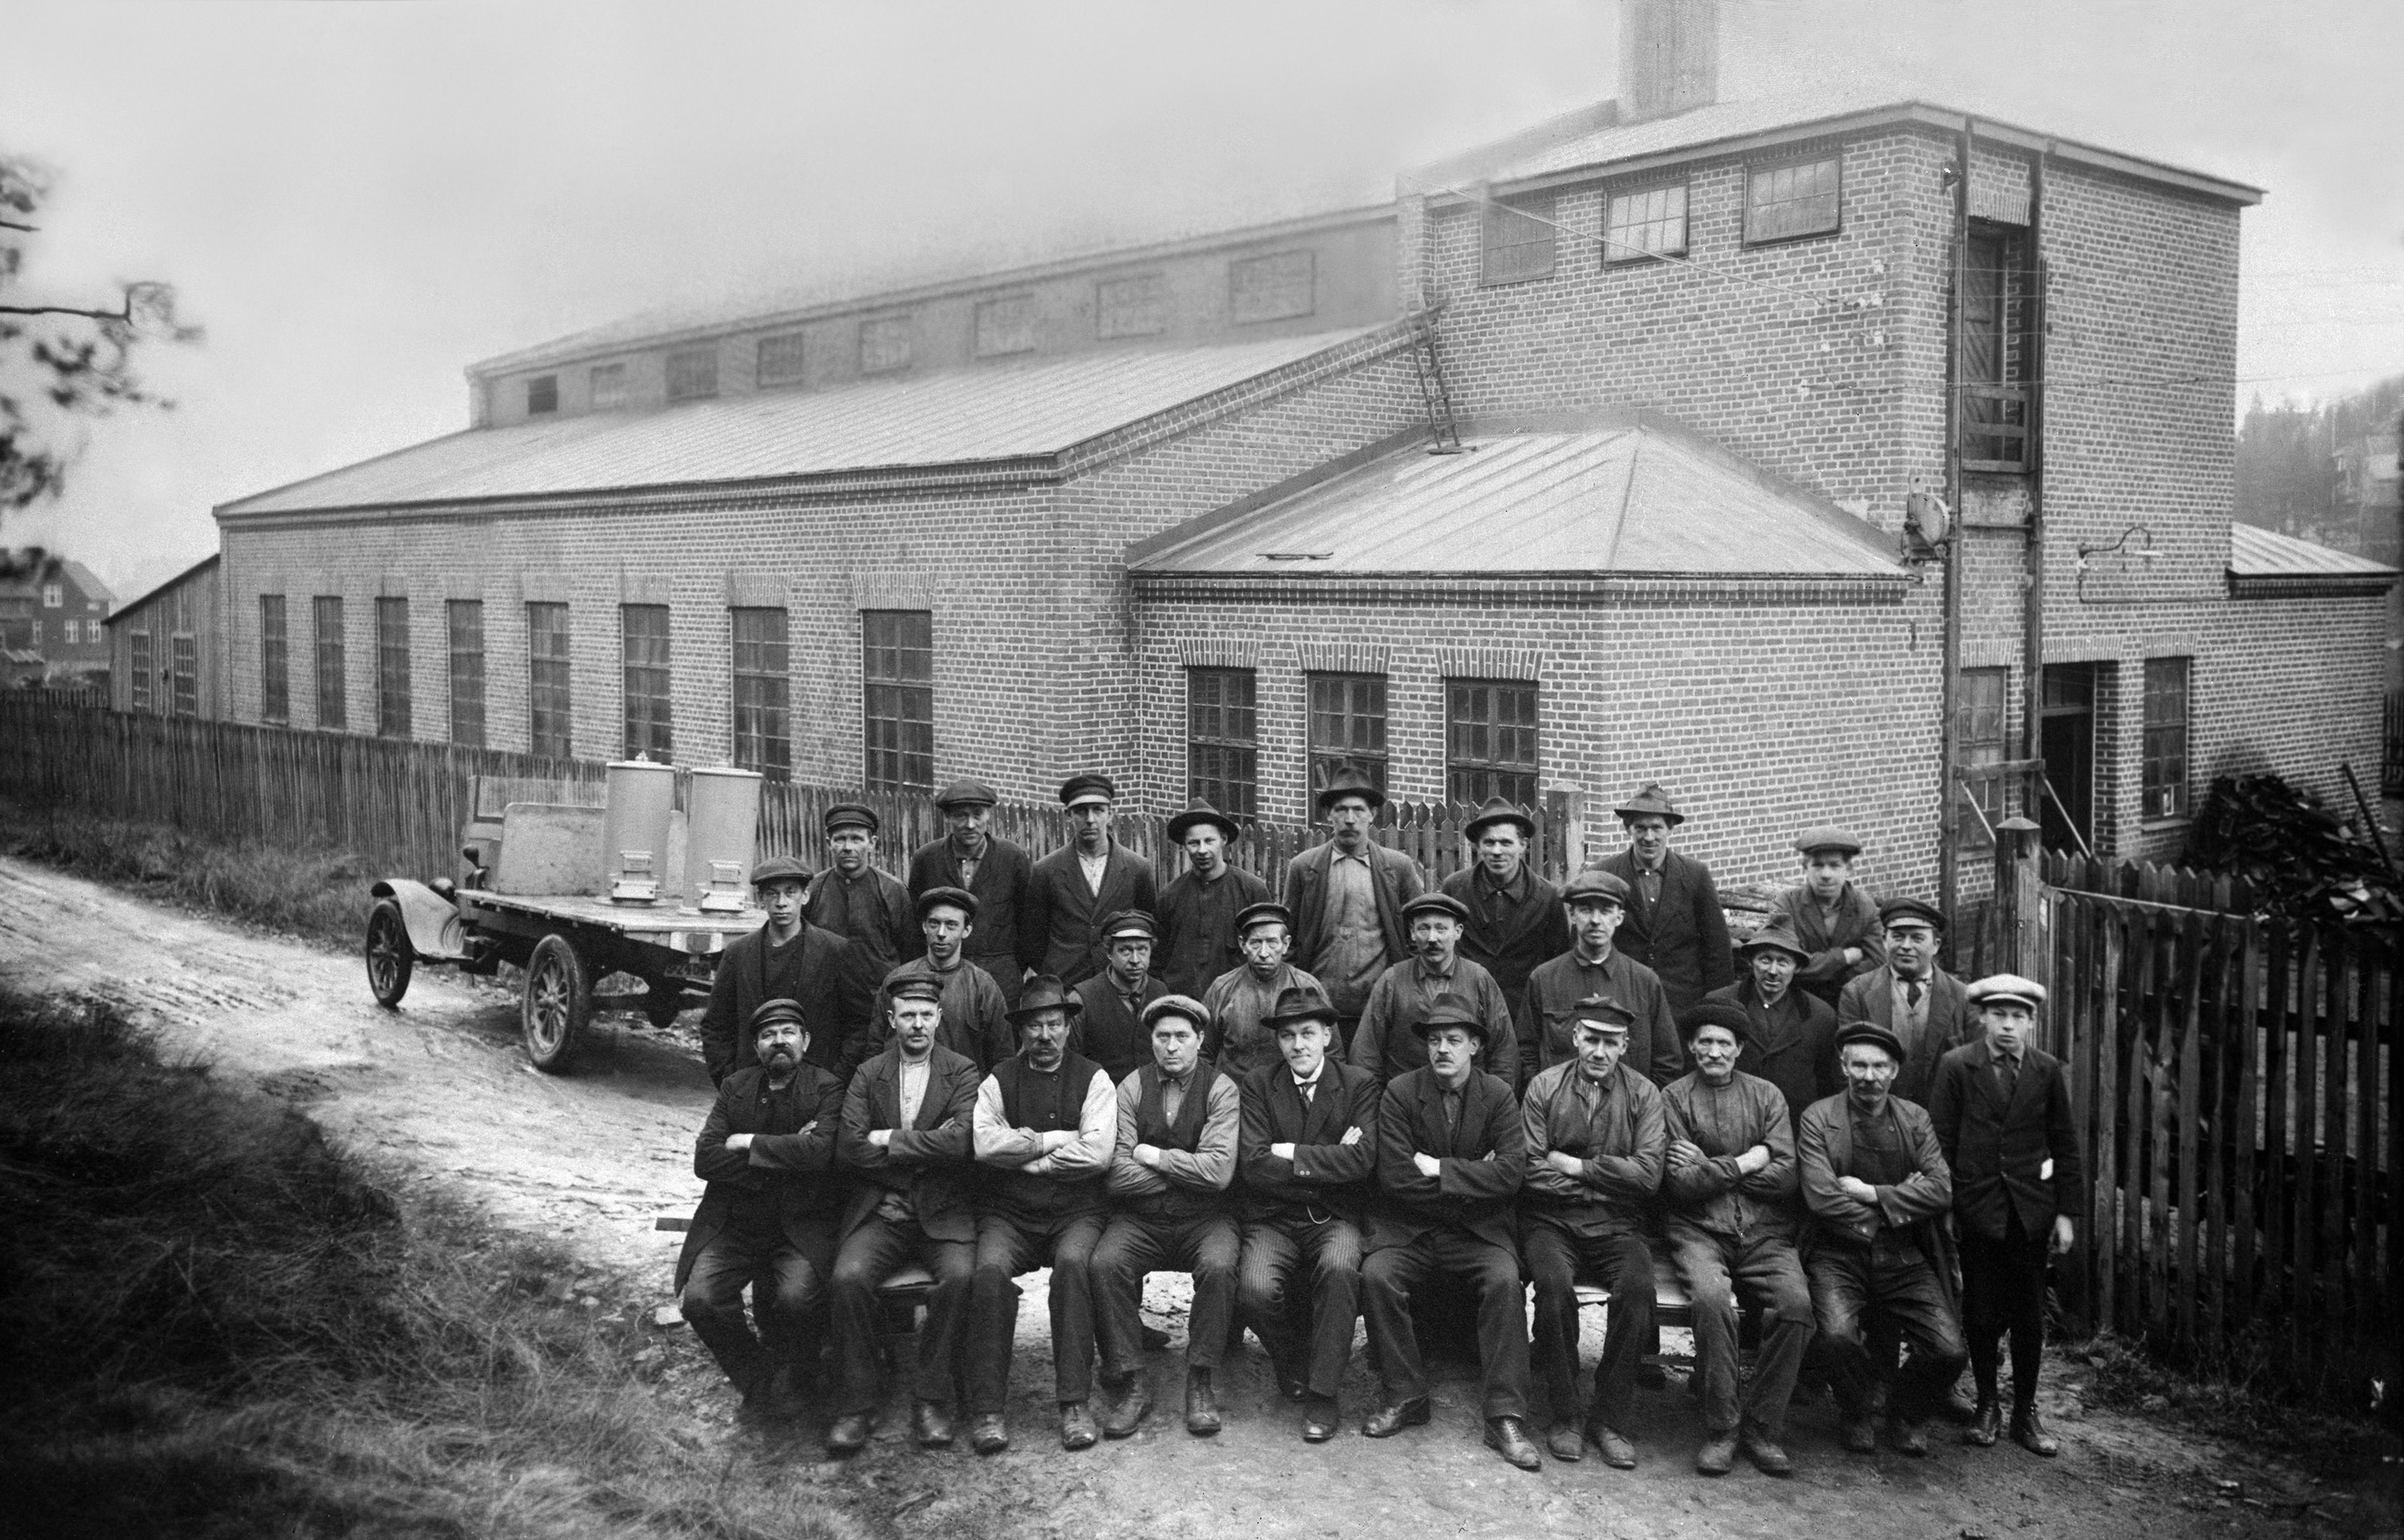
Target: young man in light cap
point(1387, 1041)
point(995, 871)
point(1515, 915)
point(1108, 1029)
point(1835, 922)
point(1347, 897)
point(2002, 1111)
point(1920, 1003)
point(1086, 881)
point(856, 901)
point(976, 1015)
point(1242, 1000)
point(833, 980)
point(1675, 925)
point(1197, 912)
point(1595, 904)
point(1793, 1041)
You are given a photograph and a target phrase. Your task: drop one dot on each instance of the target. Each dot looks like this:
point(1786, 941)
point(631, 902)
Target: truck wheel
point(557, 1005)
point(662, 1001)
point(390, 959)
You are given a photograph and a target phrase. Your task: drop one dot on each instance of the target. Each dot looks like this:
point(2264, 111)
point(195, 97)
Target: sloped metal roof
point(2254, 553)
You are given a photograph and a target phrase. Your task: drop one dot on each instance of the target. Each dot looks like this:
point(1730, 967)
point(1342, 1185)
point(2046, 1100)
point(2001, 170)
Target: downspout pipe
point(1948, 745)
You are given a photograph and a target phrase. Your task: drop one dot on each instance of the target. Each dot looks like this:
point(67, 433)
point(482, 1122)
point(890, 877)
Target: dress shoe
point(849, 1434)
point(932, 1425)
point(1764, 1453)
point(1506, 1437)
point(1318, 1419)
point(989, 1436)
point(1077, 1430)
point(1386, 1421)
point(1567, 1441)
point(1986, 1423)
point(1130, 1403)
point(1201, 1406)
point(1861, 1435)
point(1154, 1339)
point(2027, 1432)
point(1618, 1452)
point(1959, 1407)
point(1907, 1436)
point(1717, 1457)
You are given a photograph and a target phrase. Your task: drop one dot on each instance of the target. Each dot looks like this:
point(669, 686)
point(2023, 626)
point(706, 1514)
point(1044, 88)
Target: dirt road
point(441, 1089)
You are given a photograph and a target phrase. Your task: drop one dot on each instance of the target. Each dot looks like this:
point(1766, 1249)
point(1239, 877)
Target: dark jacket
point(1999, 1154)
point(1471, 1192)
point(933, 1162)
point(1554, 989)
point(1106, 1031)
point(1325, 1173)
point(835, 980)
point(1824, 1147)
point(1396, 879)
point(976, 1024)
point(798, 1166)
point(1509, 941)
point(1198, 928)
point(873, 913)
point(1793, 1050)
point(1068, 916)
point(1857, 924)
point(1003, 927)
point(1683, 935)
point(1871, 997)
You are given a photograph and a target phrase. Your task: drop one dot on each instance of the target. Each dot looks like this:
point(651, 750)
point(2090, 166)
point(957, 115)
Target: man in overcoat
point(1197, 912)
point(1515, 915)
point(787, 957)
point(1675, 925)
point(1086, 882)
point(1347, 897)
point(993, 871)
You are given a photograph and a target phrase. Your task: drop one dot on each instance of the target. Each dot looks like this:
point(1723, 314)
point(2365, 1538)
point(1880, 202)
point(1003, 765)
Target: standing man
point(787, 957)
point(1920, 1003)
point(1515, 916)
point(1109, 1029)
point(1732, 1200)
point(1836, 923)
point(1309, 1154)
point(996, 873)
point(1046, 1123)
point(1175, 1158)
point(1086, 882)
point(1675, 925)
point(2002, 1117)
point(856, 901)
point(1452, 1153)
point(1878, 1187)
point(908, 1129)
point(1793, 1037)
point(976, 1017)
point(1197, 912)
point(1387, 1041)
point(1347, 898)
point(1596, 1141)
point(1596, 902)
point(1242, 1038)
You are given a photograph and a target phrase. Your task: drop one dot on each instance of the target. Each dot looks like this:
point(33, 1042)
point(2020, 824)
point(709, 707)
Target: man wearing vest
point(1242, 998)
point(1086, 882)
point(1515, 916)
point(907, 1129)
point(1675, 925)
point(976, 1016)
point(1920, 1003)
point(856, 901)
point(1046, 1122)
point(1197, 912)
point(829, 979)
point(1109, 1029)
point(1388, 1041)
point(1170, 1209)
point(1595, 903)
point(993, 870)
point(1347, 898)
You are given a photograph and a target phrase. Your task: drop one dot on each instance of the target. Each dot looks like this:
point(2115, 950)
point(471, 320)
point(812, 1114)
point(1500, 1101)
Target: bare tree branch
point(124, 314)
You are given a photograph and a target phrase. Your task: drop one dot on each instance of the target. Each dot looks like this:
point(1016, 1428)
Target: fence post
point(2016, 919)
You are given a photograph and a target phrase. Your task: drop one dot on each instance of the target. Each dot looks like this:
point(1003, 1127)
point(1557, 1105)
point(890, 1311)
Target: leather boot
point(2027, 1432)
point(849, 1434)
point(1201, 1406)
point(1986, 1423)
point(990, 1435)
point(931, 1425)
point(1130, 1401)
point(1506, 1437)
point(1908, 1436)
point(1763, 1451)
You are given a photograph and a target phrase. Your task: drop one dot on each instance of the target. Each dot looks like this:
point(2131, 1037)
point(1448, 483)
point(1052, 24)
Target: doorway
point(2066, 741)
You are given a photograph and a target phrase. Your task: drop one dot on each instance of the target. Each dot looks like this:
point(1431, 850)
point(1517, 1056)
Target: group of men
point(1319, 1106)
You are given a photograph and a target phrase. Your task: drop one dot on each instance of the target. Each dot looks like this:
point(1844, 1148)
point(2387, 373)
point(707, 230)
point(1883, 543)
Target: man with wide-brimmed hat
point(852, 898)
point(1197, 911)
point(1594, 902)
point(1241, 1001)
point(1388, 1041)
point(1835, 922)
point(1925, 1007)
point(976, 1015)
point(1793, 1044)
point(1086, 881)
point(1515, 915)
point(1109, 1029)
point(997, 873)
point(1347, 898)
point(787, 957)
point(1675, 925)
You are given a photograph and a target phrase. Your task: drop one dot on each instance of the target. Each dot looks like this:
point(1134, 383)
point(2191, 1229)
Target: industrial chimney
point(1668, 57)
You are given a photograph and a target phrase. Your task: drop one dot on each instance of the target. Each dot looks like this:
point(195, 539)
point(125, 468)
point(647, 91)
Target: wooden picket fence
point(2141, 879)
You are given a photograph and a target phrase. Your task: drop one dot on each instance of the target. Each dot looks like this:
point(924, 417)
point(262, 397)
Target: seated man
point(1242, 1000)
point(1451, 1155)
point(1176, 1155)
point(1731, 1211)
point(767, 1219)
point(1596, 1139)
point(1309, 1157)
point(907, 1128)
point(976, 1013)
point(1046, 1122)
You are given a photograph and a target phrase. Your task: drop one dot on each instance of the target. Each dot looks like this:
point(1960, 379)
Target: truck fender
point(433, 920)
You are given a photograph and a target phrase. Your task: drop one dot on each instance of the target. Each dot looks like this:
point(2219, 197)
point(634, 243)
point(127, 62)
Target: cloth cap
point(851, 815)
point(912, 986)
point(1714, 1012)
point(1127, 922)
point(1300, 1003)
point(967, 791)
point(1261, 914)
point(1092, 786)
point(1496, 811)
point(1826, 836)
point(1177, 1005)
point(779, 869)
point(1348, 781)
point(958, 897)
point(768, 1012)
point(1452, 1010)
point(1595, 885)
point(1200, 812)
point(1911, 908)
point(1776, 934)
point(1603, 1011)
point(1651, 799)
point(1870, 1031)
point(1435, 903)
point(1044, 993)
point(2002, 986)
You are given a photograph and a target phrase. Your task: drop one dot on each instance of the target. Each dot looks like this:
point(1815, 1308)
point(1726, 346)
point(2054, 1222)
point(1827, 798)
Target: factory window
point(1347, 726)
point(185, 649)
point(896, 676)
point(326, 617)
point(1489, 741)
point(2165, 749)
point(763, 694)
point(1781, 203)
point(884, 345)
point(693, 374)
point(1131, 307)
point(542, 394)
point(465, 620)
point(780, 360)
point(643, 634)
point(1647, 223)
point(1518, 239)
point(1005, 326)
point(1996, 322)
point(274, 679)
point(608, 386)
point(137, 671)
point(392, 668)
point(1223, 751)
point(1978, 721)
point(1271, 288)
point(551, 730)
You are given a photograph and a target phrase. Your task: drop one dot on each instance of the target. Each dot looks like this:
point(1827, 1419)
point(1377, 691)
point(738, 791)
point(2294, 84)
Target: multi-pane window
point(1223, 751)
point(1996, 322)
point(466, 621)
point(1347, 726)
point(550, 728)
point(1518, 240)
point(1783, 202)
point(762, 692)
point(780, 360)
point(1271, 288)
point(74, 631)
point(1005, 326)
point(609, 382)
point(1489, 741)
point(693, 374)
point(896, 676)
point(1979, 717)
point(2165, 752)
point(884, 345)
point(326, 613)
point(542, 394)
point(392, 668)
point(275, 677)
point(1647, 223)
point(137, 667)
point(184, 650)
point(643, 631)
point(1131, 307)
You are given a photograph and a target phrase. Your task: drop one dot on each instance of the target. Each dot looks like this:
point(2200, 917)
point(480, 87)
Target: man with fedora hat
point(1924, 1006)
point(1835, 922)
point(1675, 925)
point(1595, 903)
point(1308, 1153)
point(1109, 1029)
point(1452, 1153)
point(1045, 1126)
point(1515, 916)
point(852, 898)
point(1197, 911)
point(1242, 998)
point(975, 1017)
point(1388, 1041)
point(1086, 881)
point(994, 872)
point(1347, 898)
point(1793, 1040)
point(831, 979)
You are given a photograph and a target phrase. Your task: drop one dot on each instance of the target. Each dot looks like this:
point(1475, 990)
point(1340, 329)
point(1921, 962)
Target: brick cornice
point(1526, 590)
point(1331, 657)
point(1489, 663)
point(1218, 651)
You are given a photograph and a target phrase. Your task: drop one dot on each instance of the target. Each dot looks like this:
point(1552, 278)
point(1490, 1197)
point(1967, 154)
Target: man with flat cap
point(1388, 1041)
point(975, 1015)
point(1046, 1126)
point(1308, 1153)
point(1347, 897)
point(1835, 921)
point(1595, 903)
point(908, 1132)
point(767, 1220)
point(1452, 1153)
point(1793, 1042)
point(856, 901)
point(832, 981)
point(1515, 916)
point(1878, 1189)
point(993, 871)
point(1920, 1003)
point(1170, 1209)
point(1241, 1001)
point(1109, 1029)
point(1197, 911)
point(2002, 1111)
point(1086, 881)
point(1675, 925)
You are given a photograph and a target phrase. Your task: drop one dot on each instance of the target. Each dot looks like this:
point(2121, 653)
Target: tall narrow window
point(325, 612)
point(693, 374)
point(762, 692)
point(392, 668)
point(1645, 224)
point(550, 728)
point(542, 395)
point(644, 635)
point(897, 677)
point(1997, 317)
point(2165, 751)
point(184, 650)
point(1489, 737)
point(1518, 239)
point(274, 676)
point(1223, 751)
point(1979, 729)
point(466, 624)
point(1347, 726)
point(138, 669)
point(1781, 203)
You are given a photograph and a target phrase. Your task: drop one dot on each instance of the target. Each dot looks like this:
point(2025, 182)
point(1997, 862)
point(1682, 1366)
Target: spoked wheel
point(390, 959)
point(557, 1005)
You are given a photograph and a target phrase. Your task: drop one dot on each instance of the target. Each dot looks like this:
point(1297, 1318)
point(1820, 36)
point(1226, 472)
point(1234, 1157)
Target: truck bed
point(677, 927)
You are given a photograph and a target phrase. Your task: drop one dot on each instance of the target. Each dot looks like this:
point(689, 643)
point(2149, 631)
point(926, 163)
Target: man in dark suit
point(1515, 916)
point(1675, 925)
point(1452, 1153)
point(997, 874)
point(1108, 1026)
point(767, 1219)
point(2003, 1116)
point(907, 1129)
point(790, 959)
point(1794, 1038)
point(1347, 898)
point(1197, 911)
point(856, 901)
point(1920, 1003)
point(1086, 882)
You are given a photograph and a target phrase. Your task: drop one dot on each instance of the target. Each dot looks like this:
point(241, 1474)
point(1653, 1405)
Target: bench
point(1671, 1308)
point(903, 1293)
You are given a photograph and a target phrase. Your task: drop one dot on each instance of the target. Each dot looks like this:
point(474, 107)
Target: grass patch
point(214, 1323)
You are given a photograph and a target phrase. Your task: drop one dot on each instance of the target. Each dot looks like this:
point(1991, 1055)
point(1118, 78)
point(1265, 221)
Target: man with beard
point(1835, 922)
point(831, 980)
point(1387, 1043)
point(976, 1017)
point(994, 872)
point(1197, 912)
point(1596, 902)
point(1793, 1037)
point(1109, 1029)
point(1242, 1042)
point(1924, 1006)
point(1088, 880)
point(1347, 898)
point(852, 898)
point(1515, 916)
point(1675, 925)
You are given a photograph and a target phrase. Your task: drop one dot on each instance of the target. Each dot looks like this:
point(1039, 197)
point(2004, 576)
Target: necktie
point(2007, 1070)
point(1914, 992)
point(1451, 1110)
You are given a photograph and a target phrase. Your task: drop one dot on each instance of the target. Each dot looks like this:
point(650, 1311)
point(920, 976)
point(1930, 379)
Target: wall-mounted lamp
point(1951, 177)
point(2142, 548)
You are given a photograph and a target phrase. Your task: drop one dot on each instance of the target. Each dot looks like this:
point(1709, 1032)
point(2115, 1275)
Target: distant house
point(53, 609)
point(167, 648)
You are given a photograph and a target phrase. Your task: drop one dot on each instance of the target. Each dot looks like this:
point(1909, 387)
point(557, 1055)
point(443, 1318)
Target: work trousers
point(1132, 1245)
point(2002, 1290)
point(1766, 1272)
point(1389, 1274)
point(1274, 1252)
point(1005, 1248)
point(1893, 1279)
point(870, 1256)
point(785, 1281)
point(1623, 1264)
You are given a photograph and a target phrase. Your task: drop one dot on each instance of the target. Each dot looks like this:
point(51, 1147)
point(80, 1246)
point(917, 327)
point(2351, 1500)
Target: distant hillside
point(2328, 473)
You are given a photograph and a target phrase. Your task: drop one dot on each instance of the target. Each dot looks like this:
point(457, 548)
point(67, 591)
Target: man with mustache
point(991, 869)
point(1347, 898)
point(1387, 1043)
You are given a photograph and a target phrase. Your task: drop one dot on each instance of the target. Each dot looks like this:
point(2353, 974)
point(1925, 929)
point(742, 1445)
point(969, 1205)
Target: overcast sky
point(359, 200)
